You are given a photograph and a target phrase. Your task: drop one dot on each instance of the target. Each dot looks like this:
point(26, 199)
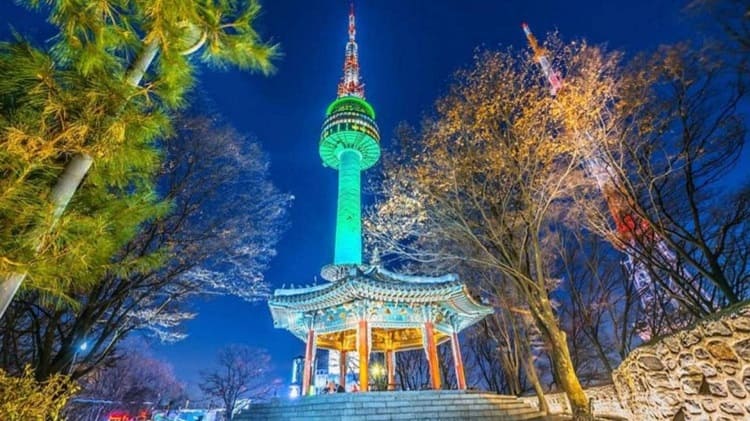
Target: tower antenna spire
point(540, 55)
point(352, 26)
point(350, 84)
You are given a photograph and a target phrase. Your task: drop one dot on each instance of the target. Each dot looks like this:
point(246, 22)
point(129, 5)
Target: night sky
point(409, 50)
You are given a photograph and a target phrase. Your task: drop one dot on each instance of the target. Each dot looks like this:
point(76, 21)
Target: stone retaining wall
point(700, 373)
point(603, 399)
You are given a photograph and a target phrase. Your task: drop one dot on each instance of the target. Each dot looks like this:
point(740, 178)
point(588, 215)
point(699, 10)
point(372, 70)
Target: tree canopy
point(83, 96)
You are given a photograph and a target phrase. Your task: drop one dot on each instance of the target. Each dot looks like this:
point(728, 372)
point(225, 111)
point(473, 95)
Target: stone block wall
point(701, 373)
point(556, 402)
point(604, 402)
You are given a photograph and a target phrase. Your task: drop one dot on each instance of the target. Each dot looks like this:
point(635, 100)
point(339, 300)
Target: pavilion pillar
point(458, 362)
point(432, 355)
point(390, 364)
point(309, 356)
point(342, 368)
point(363, 348)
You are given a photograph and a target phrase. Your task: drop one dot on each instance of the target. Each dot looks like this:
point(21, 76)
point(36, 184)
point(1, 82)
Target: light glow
point(349, 213)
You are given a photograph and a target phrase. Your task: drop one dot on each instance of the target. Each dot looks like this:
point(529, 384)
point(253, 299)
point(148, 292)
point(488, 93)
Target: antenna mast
point(631, 228)
point(540, 55)
point(350, 84)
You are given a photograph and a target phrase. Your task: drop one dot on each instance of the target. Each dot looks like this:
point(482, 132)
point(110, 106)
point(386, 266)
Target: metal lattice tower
point(631, 228)
point(349, 143)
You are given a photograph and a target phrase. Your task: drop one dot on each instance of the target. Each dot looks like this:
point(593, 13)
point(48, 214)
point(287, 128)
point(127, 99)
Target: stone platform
point(403, 405)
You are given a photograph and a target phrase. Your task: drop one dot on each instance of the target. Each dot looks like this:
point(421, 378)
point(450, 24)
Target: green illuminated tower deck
point(349, 143)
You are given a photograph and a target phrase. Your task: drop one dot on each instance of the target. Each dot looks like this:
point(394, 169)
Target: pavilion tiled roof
point(382, 287)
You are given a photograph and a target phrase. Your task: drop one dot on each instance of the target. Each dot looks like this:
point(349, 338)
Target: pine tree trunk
point(68, 182)
point(59, 196)
point(72, 177)
point(135, 75)
point(8, 289)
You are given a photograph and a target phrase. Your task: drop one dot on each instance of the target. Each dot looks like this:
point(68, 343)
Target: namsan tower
point(366, 308)
point(349, 143)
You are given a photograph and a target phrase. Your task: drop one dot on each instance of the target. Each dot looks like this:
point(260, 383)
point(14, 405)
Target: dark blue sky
point(408, 53)
point(409, 50)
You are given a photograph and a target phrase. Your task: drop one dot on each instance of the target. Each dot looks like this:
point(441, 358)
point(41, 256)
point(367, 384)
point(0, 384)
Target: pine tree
point(94, 105)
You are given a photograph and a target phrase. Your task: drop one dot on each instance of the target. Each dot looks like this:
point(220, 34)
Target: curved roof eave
point(358, 288)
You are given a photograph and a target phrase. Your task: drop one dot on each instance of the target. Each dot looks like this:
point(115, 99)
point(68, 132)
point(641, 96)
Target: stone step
point(385, 410)
point(435, 405)
point(382, 406)
point(396, 404)
point(459, 414)
point(439, 405)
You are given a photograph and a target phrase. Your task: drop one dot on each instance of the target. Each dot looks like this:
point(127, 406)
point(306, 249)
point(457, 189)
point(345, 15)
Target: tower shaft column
point(349, 214)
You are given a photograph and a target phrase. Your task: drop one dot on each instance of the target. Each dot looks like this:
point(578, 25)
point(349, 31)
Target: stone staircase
point(404, 405)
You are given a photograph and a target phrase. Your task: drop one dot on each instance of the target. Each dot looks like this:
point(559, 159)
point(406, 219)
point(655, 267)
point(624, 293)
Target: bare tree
point(200, 246)
point(599, 306)
point(241, 372)
point(484, 370)
point(682, 136)
point(412, 370)
point(732, 18)
point(513, 330)
point(447, 369)
point(495, 164)
point(133, 382)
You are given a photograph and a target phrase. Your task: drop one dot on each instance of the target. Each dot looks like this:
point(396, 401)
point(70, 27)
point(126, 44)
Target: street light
point(81, 348)
point(377, 371)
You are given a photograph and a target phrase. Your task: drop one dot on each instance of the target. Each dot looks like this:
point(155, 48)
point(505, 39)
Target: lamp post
point(377, 371)
point(81, 348)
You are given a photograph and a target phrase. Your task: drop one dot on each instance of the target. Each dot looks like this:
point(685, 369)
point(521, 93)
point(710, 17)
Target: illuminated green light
point(351, 103)
point(348, 215)
point(350, 125)
point(349, 143)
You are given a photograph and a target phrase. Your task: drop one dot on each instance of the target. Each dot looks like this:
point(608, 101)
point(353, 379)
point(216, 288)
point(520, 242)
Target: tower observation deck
point(349, 143)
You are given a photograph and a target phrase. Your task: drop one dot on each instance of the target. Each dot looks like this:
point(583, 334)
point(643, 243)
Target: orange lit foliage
point(497, 166)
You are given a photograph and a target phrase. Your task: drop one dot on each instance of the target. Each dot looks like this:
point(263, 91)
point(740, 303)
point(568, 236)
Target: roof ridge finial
point(350, 84)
